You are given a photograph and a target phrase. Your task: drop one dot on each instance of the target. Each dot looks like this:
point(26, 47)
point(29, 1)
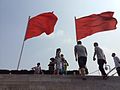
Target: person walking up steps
point(81, 57)
point(101, 59)
point(117, 63)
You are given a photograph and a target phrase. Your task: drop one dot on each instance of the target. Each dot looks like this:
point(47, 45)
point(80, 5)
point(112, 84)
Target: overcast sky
point(13, 21)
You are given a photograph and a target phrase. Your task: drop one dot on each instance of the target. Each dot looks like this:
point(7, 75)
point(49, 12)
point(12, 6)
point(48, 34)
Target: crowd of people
point(81, 57)
point(58, 64)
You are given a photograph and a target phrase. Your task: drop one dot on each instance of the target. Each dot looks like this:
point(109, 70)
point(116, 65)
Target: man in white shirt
point(37, 69)
point(117, 63)
point(101, 59)
point(81, 57)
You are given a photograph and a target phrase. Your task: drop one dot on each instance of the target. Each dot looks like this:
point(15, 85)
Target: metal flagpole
point(22, 46)
point(75, 28)
point(76, 35)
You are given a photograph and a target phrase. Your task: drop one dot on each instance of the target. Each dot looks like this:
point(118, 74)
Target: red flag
point(41, 23)
point(94, 23)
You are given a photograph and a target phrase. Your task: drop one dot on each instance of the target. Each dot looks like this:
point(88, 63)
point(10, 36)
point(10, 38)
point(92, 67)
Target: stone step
point(57, 82)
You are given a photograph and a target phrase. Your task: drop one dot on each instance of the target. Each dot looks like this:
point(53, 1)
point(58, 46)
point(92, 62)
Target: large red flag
point(94, 23)
point(41, 23)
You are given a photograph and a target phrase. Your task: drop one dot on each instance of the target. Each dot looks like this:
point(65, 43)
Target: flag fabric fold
point(94, 23)
point(42, 23)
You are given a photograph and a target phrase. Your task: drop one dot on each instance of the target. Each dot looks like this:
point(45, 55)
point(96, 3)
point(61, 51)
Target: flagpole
point(75, 28)
point(22, 46)
point(20, 55)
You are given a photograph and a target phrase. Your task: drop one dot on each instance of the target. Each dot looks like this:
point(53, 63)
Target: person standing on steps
point(64, 65)
point(52, 65)
point(58, 61)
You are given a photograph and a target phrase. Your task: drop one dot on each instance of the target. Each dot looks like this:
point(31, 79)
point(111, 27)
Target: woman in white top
point(58, 61)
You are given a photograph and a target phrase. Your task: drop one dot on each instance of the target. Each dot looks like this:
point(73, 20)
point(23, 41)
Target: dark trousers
point(82, 62)
point(101, 62)
point(118, 71)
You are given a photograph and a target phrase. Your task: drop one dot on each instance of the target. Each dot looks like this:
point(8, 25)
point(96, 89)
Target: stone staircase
point(57, 82)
